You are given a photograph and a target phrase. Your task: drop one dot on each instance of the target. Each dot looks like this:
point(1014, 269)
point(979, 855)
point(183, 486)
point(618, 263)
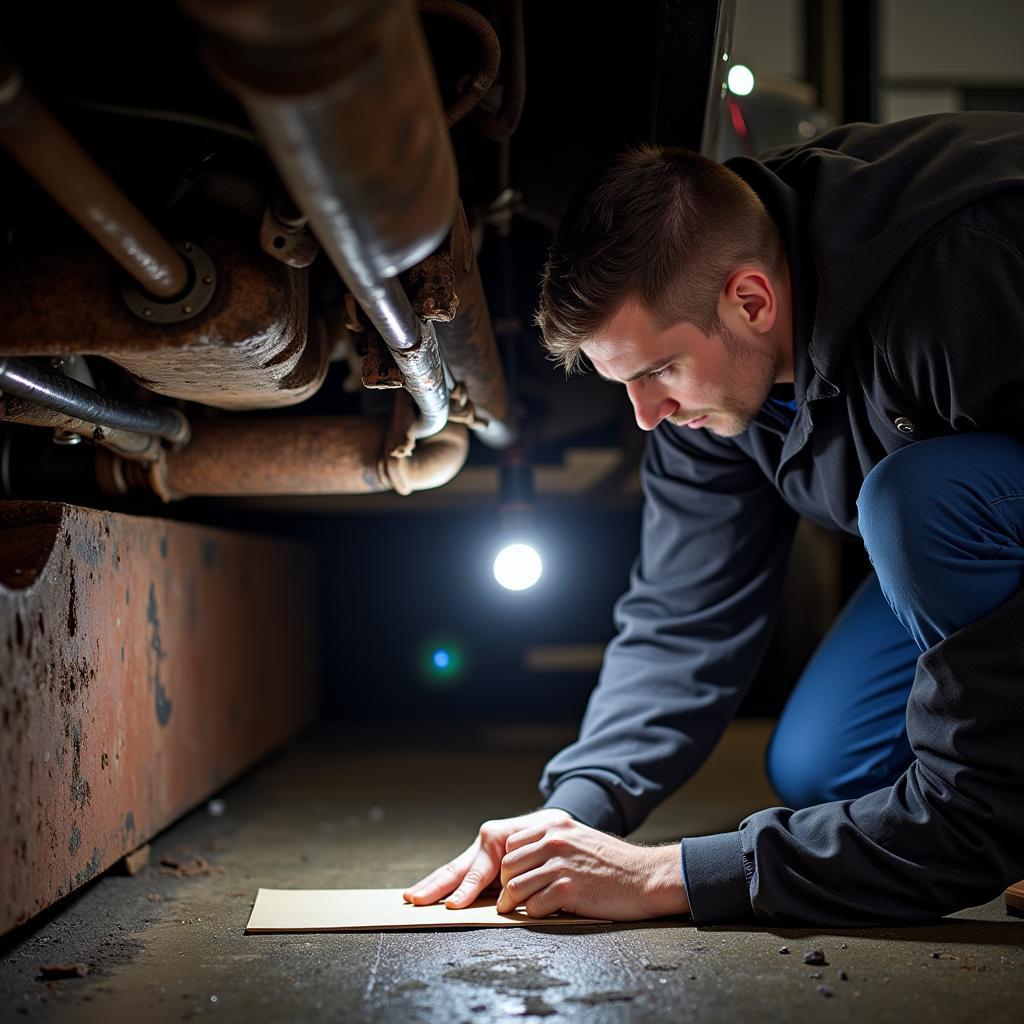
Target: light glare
point(517, 567)
point(741, 80)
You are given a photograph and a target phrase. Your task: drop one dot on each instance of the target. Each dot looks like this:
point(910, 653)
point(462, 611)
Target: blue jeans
point(943, 524)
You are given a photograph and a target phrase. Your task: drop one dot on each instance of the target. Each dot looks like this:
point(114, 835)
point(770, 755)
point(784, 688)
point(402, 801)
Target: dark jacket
point(905, 247)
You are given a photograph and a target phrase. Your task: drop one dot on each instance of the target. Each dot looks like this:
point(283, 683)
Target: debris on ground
point(597, 998)
point(661, 967)
point(814, 975)
point(942, 955)
point(824, 990)
point(55, 972)
point(534, 1006)
point(188, 867)
point(132, 863)
point(784, 950)
point(413, 985)
point(217, 845)
point(842, 975)
point(815, 957)
point(154, 897)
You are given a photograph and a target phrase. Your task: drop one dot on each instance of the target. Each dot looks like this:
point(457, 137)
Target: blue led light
point(441, 659)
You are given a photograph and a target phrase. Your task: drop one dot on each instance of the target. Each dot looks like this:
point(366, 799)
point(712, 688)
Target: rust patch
point(89, 770)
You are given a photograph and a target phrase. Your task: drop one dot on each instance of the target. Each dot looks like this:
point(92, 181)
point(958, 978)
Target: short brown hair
point(662, 226)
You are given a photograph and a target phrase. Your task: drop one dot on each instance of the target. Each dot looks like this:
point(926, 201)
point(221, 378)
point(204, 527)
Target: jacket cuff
point(716, 883)
point(587, 801)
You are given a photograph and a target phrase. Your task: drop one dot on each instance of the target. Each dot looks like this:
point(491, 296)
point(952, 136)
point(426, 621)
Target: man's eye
point(658, 374)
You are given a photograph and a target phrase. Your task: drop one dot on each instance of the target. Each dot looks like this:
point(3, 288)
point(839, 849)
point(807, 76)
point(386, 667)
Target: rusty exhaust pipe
point(343, 96)
point(304, 455)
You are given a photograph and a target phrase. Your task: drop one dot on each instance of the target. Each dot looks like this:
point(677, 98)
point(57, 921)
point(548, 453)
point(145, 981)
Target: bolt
point(146, 311)
point(186, 309)
point(207, 279)
point(188, 247)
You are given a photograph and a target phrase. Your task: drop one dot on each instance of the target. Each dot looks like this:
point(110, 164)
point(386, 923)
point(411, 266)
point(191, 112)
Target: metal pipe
point(423, 372)
point(490, 52)
point(140, 447)
point(469, 346)
point(38, 141)
point(345, 100)
point(304, 455)
point(501, 125)
point(33, 382)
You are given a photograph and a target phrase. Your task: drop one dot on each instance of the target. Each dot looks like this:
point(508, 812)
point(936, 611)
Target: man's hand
point(463, 879)
point(563, 865)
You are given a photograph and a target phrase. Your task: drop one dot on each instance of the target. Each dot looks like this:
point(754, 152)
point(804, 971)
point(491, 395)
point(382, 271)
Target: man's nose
point(650, 405)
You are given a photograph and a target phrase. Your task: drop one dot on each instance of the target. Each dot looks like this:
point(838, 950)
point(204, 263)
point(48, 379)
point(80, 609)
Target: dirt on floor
point(346, 808)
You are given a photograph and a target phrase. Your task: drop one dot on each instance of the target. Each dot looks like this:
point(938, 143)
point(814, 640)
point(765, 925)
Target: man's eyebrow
point(649, 368)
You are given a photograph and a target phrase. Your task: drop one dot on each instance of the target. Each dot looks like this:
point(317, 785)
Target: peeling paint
point(211, 552)
point(72, 611)
point(80, 789)
point(155, 655)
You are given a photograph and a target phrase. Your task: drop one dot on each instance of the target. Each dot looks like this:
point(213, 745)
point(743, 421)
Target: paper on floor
point(345, 910)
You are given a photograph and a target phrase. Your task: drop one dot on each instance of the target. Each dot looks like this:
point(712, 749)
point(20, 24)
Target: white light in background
point(741, 80)
point(517, 567)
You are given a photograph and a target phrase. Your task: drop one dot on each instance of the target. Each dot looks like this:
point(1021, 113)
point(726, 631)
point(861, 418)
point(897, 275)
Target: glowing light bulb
point(441, 659)
point(741, 80)
point(517, 567)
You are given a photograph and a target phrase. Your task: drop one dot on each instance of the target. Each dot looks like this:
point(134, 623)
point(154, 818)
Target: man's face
point(679, 374)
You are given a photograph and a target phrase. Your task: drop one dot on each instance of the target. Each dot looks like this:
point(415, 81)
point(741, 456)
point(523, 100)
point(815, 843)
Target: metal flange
point(196, 297)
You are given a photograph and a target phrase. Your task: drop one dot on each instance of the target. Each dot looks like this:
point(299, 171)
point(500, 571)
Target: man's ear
point(750, 294)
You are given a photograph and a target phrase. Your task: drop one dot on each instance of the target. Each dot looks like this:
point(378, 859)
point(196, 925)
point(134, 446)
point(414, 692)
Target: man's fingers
point(480, 874)
point(441, 881)
point(559, 895)
point(524, 837)
point(519, 890)
point(526, 858)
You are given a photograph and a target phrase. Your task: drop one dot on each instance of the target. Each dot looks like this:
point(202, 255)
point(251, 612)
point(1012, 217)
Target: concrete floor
point(334, 811)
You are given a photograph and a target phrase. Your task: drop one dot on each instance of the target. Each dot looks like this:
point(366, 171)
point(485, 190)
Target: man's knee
point(918, 504)
point(799, 778)
point(794, 785)
point(896, 503)
point(803, 775)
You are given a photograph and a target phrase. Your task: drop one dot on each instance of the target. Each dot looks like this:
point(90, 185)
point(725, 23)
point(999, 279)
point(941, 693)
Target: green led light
point(441, 663)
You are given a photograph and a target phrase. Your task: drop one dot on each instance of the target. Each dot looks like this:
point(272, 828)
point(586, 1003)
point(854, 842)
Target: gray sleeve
point(692, 630)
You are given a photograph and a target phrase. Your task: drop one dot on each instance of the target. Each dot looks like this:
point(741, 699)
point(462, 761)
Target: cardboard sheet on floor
point(360, 910)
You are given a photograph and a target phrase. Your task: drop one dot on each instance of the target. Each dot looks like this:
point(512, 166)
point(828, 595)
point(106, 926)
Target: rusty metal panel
point(143, 664)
